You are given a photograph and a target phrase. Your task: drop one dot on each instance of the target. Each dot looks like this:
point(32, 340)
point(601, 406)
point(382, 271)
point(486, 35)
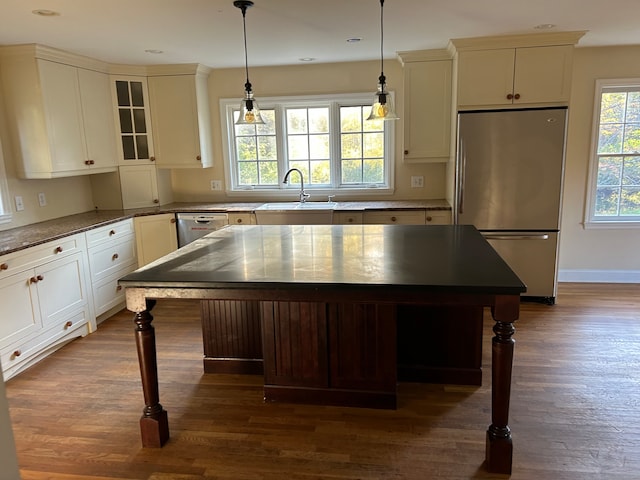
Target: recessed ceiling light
point(306, 59)
point(354, 39)
point(45, 13)
point(545, 26)
point(153, 51)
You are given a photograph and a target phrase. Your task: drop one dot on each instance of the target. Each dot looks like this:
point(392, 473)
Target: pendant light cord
point(382, 78)
point(247, 85)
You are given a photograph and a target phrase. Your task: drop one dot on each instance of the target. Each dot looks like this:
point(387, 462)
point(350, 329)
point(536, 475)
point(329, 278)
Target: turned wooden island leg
point(499, 447)
point(154, 425)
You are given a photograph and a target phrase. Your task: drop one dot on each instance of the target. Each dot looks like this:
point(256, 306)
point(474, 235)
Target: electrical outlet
point(417, 181)
point(42, 199)
point(19, 203)
point(216, 185)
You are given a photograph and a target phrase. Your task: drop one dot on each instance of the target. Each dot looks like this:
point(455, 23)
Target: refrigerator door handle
point(519, 236)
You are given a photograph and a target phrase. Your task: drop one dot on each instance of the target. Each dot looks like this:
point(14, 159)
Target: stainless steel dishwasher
point(192, 226)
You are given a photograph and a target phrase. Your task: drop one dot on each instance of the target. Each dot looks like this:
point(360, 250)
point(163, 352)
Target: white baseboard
point(599, 276)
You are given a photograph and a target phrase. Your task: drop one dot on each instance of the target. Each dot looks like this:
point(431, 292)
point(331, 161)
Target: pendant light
point(382, 108)
point(249, 111)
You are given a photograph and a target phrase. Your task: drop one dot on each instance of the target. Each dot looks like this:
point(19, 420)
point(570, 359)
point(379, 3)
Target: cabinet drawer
point(242, 219)
point(395, 217)
point(438, 217)
point(37, 255)
point(347, 218)
point(107, 293)
point(107, 259)
point(22, 354)
point(112, 231)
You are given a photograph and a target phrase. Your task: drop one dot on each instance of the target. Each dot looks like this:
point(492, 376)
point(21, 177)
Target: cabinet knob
point(239, 220)
point(429, 219)
point(517, 96)
point(114, 256)
point(406, 152)
point(155, 200)
point(393, 219)
point(57, 250)
point(119, 288)
point(510, 96)
point(350, 220)
point(173, 220)
point(17, 353)
point(36, 279)
point(152, 159)
point(199, 158)
point(4, 266)
point(112, 232)
point(68, 324)
point(87, 162)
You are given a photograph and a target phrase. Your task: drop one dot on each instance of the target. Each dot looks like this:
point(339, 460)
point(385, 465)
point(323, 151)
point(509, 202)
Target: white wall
point(607, 255)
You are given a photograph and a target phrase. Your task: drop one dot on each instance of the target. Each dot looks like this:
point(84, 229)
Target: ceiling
point(281, 32)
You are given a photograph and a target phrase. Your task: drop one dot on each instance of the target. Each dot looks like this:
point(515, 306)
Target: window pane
point(373, 145)
point(126, 125)
point(137, 99)
point(632, 138)
point(373, 125)
point(351, 171)
point(633, 107)
point(350, 119)
point(297, 120)
point(631, 175)
point(320, 172)
point(609, 171)
point(351, 146)
point(269, 127)
point(246, 148)
point(612, 108)
point(606, 201)
point(268, 173)
point(294, 178)
point(298, 147)
point(139, 121)
point(247, 173)
point(319, 120)
point(373, 171)
point(610, 138)
point(128, 147)
point(319, 146)
point(142, 146)
point(267, 149)
point(630, 201)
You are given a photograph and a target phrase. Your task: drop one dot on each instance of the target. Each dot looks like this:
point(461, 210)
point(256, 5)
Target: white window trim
point(227, 105)
point(590, 221)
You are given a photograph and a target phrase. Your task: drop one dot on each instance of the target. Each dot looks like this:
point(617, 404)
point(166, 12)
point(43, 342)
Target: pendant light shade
point(382, 107)
point(249, 110)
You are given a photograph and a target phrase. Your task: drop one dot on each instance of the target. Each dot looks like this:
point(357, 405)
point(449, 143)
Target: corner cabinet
point(427, 105)
point(60, 114)
point(180, 116)
point(156, 236)
point(531, 70)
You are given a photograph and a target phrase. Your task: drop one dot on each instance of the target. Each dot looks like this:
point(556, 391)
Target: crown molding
point(516, 41)
point(54, 55)
point(424, 55)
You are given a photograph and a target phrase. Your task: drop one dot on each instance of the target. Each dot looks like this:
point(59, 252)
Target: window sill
point(611, 224)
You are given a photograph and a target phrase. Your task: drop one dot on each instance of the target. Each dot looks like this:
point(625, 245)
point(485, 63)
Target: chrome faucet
point(303, 194)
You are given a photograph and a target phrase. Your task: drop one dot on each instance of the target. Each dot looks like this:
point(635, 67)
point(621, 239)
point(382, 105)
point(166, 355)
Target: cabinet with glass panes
point(133, 120)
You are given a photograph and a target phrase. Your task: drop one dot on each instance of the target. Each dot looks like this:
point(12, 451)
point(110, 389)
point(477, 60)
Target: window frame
point(591, 220)
point(5, 201)
point(280, 104)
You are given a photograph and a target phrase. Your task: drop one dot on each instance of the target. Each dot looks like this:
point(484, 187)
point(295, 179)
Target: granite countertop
point(37, 233)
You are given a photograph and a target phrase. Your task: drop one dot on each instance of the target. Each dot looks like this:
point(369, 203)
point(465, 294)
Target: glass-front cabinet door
point(133, 120)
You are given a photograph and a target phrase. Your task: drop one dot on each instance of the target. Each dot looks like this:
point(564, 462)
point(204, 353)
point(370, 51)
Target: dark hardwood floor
point(575, 411)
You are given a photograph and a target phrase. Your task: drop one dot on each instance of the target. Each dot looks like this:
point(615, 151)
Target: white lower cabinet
point(347, 218)
point(112, 254)
point(394, 217)
point(47, 301)
point(156, 236)
point(438, 217)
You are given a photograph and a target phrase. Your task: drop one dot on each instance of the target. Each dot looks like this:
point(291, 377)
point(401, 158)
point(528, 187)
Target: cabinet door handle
point(406, 152)
point(57, 250)
point(152, 159)
point(510, 96)
point(119, 288)
point(155, 200)
point(36, 279)
point(86, 162)
point(112, 232)
point(114, 256)
point(350, 220)
point(173, 220)
point(69, 324)
point(199, 158)
point(517, 96)
point(17, 353)
point(4, 266)
point(239, 220)
point(429, 219)
point(393, 219)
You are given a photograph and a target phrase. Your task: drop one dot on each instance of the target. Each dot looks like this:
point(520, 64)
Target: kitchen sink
point(295, 213)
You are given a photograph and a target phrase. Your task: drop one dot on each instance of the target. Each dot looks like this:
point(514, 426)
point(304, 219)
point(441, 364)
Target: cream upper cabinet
point(514, 76)
point(427, 108)
point(144, 186)
point(181, 119)
point(58, 114)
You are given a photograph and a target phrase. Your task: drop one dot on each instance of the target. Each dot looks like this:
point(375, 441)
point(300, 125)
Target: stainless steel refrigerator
point(509, 180)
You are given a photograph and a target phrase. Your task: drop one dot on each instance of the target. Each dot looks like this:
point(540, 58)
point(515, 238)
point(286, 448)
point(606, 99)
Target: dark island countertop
point(19, 238)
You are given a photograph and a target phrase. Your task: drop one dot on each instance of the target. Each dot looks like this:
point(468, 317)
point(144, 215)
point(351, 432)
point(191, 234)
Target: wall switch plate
point(19, 203)
point(417, 181)
point(216, 185)
point(42, 199)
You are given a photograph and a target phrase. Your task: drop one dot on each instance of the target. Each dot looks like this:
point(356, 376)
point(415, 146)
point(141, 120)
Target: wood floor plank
point(575, 408)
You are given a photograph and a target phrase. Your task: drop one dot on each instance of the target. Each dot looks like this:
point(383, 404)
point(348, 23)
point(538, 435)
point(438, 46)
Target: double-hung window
point(327, 138)
point(614, 193)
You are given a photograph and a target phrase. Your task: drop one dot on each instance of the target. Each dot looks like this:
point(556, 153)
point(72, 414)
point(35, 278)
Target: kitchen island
point(312, 282)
